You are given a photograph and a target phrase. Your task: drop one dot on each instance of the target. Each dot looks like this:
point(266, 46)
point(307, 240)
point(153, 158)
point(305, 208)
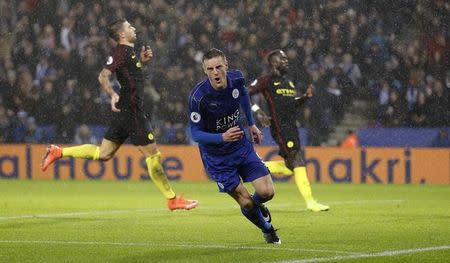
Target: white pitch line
point(116, 212)
point(90, 213)
point(146, 244)
point(388, 253)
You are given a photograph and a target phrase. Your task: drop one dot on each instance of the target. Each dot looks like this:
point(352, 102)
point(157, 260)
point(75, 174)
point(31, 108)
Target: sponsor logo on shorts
point(150, 136)
point(290, 144)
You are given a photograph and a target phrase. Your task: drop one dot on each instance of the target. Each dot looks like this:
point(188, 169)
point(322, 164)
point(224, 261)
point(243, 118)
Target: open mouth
point(217, 79)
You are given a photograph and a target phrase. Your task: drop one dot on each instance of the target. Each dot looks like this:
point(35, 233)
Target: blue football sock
point(258, 199)
point(255, 216)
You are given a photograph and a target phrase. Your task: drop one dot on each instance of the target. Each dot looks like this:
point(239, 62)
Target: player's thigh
point(148, 150)
point(242, 196)
point(108, 149)
point(264, 186)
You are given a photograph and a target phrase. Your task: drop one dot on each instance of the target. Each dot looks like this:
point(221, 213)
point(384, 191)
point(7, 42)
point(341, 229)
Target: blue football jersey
point(214, 111)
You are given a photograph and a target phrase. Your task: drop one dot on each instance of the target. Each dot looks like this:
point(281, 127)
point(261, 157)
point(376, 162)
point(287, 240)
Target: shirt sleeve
point(196, 124)
point(245, 103)
point(115, 61)
point(257, 86)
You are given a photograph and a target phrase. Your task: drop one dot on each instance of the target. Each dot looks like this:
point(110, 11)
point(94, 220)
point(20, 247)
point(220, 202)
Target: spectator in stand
point(20, 127)
point(335, 99)
point(33, 133)
point(383, 97)
point(394, 113)
point(5, 124)
point(439, 101)
point(84, 135)
point(351, 69)
point(420, 112)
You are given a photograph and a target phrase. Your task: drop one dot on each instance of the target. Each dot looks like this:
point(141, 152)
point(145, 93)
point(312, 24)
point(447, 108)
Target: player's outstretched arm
point(262, 117)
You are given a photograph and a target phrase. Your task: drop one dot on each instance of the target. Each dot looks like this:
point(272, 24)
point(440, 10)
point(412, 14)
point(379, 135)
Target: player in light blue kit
point(228, 156)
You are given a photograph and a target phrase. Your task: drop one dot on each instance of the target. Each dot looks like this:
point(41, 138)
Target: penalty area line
point(388, 253)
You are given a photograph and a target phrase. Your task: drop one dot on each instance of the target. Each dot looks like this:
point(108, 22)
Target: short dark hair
point(212, 53)
point(115, 27)
point(273, 53)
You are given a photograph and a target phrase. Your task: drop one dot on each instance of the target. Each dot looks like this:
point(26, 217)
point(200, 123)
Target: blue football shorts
point(228, 170)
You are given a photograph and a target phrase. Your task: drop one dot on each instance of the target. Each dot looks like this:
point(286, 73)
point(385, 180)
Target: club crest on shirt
point(235, 93)
point(290, 144)
point(109, 61)
point(195, 117)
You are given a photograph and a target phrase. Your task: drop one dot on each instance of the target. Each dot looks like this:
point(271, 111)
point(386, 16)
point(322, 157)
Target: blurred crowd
point(394, 53)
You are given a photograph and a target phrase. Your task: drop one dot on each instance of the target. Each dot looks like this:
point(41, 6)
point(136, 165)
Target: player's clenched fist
point(233, 134)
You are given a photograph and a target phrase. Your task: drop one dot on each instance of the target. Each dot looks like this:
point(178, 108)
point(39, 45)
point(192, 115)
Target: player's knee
point(105, 156)
point(267, 194)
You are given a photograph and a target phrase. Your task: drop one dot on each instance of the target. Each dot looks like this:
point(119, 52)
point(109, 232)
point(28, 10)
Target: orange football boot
point(53, 153)
point(179, 202)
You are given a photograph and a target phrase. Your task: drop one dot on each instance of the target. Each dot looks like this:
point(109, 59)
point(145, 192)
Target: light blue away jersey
point(213, 112)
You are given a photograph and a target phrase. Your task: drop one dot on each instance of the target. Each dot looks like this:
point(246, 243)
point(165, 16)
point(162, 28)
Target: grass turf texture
point(99, 221)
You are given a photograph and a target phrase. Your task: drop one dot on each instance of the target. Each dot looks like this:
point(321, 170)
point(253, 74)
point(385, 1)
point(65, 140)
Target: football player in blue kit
point(228, 156)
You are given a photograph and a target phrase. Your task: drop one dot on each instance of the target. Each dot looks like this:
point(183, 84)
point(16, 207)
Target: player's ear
point(204, 68)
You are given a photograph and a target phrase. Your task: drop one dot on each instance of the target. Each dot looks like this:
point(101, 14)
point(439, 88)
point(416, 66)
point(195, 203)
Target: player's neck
point(221, 87)
point(278, 73)
point(126, 43)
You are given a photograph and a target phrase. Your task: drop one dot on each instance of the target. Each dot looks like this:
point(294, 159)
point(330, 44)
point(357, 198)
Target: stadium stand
point(394, 56)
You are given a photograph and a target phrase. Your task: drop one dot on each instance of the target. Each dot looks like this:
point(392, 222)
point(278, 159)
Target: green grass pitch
point(98, 221)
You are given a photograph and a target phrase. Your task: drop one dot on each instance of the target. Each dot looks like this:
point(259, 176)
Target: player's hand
point(256, 134)
point(263, 118)
point(308, 94)
point(146, 53)
point(114, 100)
point(233, 134)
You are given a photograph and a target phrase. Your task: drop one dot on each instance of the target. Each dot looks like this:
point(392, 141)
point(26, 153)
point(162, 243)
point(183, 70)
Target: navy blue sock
point(255, 216)
point(258, 199)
